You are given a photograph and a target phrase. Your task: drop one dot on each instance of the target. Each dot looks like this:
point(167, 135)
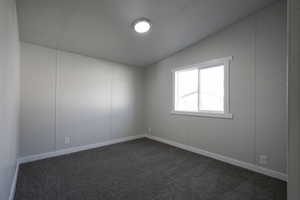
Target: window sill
point(204, 114)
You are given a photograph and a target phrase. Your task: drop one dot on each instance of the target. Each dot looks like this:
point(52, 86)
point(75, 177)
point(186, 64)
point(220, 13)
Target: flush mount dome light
point(141, 25)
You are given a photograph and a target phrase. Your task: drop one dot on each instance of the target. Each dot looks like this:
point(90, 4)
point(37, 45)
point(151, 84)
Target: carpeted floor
point(142, 170)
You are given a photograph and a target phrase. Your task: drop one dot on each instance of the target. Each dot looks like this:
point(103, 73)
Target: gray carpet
point(142, 170)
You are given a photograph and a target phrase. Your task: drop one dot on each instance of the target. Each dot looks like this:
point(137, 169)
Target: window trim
point(215, 114)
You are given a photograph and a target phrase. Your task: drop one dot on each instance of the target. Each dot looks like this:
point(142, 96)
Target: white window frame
point(212, 63)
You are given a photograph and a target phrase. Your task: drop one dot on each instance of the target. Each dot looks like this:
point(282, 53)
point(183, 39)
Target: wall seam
point(55, 98)
point(255, 79)
point(110, 136)
point(285, 11)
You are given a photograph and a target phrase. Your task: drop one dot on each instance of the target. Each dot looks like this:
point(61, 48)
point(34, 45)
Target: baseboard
point(249, 166)
point(14, 183)
point(32, 158)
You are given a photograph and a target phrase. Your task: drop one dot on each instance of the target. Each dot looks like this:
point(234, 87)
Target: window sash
point(178, 97)
point(225, 62)
point(200, 86)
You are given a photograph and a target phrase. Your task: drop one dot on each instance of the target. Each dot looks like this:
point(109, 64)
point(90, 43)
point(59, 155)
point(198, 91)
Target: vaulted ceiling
point(101, 28)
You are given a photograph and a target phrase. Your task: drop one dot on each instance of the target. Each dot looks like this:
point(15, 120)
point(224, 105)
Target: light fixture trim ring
point(141, 20)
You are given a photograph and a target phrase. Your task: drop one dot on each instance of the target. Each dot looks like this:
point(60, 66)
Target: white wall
point(294, 98)
point(257, 92)
point(69, 95)
point(9, 94)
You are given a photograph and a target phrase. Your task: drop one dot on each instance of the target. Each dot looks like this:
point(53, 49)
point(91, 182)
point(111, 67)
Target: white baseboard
point(229, 160)
point(75, 149)
point(14, 183)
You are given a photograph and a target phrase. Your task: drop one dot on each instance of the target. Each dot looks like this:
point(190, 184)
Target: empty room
point(149, 100)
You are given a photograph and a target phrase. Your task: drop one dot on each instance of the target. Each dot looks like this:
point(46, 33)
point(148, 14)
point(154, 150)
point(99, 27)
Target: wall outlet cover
point(263, 159)
point(67, 140)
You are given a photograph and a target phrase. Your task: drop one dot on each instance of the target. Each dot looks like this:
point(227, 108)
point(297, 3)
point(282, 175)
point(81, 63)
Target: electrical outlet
point(67, 140)
point(149, 130)
point(263, 159)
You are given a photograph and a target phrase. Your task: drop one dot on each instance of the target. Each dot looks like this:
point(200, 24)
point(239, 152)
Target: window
point(202, 89)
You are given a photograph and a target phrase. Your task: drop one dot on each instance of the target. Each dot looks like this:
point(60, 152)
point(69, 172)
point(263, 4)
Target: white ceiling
point(101, 28)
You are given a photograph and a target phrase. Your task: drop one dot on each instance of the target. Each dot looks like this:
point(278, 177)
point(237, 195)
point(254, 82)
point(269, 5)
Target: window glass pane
point(212, 89)
point(186, 90)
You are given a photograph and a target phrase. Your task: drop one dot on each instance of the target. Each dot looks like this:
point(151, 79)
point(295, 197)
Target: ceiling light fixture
point(141, 25)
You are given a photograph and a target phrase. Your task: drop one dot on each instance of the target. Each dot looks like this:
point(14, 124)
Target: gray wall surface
point(257, 92)
point(294, 98)
point(9, 94)
point(65, 95)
